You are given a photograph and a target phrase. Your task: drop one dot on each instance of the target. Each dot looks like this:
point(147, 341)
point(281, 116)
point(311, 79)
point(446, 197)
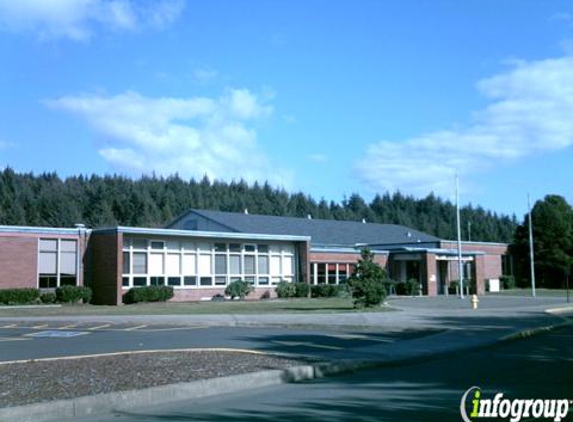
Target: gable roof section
point(322, 232)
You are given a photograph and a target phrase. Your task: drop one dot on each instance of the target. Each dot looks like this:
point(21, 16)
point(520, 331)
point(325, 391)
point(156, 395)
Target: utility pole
point(460, 264)
point(531, 248)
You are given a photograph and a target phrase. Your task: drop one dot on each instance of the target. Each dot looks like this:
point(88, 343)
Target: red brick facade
point(106, 266)
point(18, 262)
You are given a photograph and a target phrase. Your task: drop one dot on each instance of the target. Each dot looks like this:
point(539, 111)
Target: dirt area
point(37, 381)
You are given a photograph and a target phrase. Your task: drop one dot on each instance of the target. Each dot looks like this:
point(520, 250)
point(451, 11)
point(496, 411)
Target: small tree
point(238, 289)
point(367, 281)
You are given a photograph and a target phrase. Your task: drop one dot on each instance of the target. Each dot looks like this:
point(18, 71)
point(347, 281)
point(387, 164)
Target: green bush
point(19, 296)
point(48, 297)
point(507, 282)
point(301, 289)
point(408, 288)
point(327, 290)
point(73, 294)
point(148, 294)
point(238, 289)
point(285, 290)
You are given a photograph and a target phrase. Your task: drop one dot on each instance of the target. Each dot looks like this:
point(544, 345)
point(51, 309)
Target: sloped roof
point(322, 232)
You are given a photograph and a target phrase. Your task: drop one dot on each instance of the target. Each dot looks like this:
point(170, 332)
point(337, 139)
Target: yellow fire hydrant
point(475, 301)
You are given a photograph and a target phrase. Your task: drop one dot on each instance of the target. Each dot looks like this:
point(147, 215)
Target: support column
point(431, 274)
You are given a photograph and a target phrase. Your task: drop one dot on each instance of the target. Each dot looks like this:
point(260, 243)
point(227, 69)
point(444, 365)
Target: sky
point(328, 97)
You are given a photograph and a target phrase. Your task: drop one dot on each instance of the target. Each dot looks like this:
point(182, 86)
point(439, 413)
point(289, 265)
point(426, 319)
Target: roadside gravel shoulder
point(59, 379)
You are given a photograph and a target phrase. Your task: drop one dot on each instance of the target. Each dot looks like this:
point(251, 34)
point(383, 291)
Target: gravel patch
point(37, 381)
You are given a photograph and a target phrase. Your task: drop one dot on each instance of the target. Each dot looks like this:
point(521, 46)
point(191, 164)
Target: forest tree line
point(97, 201)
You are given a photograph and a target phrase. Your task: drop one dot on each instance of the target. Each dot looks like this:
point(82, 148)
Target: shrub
point(148, 294)
point(19, 296)
point(408, 288)
point(285, 290)
point(326, 290)
point(238, 289)
point(507, 282)
point(367, 281)
point(73, 294)
point(301, 289)
point(48, 297)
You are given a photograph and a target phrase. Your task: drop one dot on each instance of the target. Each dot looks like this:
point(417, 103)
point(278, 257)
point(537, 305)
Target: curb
point(107, 403)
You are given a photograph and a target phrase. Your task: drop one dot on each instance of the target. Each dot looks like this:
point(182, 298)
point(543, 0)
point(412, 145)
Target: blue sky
point(327, 97)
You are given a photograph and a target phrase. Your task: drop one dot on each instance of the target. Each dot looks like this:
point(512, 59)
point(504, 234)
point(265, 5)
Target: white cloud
point(530, 113)
point(191, 136)
point(78, 19)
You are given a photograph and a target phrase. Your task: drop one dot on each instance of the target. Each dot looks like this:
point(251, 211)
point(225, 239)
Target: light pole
point(531, 248)
point(460, 264)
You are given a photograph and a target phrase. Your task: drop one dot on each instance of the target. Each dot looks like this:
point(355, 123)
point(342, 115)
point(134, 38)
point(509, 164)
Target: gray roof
point(322, 232)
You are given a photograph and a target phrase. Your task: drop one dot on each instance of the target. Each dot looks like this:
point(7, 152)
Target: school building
point(203, 251)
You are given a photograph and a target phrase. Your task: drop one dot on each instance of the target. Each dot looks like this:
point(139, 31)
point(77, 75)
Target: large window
point(330, 273)
point(188, 264)
point(57, 263)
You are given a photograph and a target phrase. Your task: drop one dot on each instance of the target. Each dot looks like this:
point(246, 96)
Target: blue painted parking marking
point(57, 334)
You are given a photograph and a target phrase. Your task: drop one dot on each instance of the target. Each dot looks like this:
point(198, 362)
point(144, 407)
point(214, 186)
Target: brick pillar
point(107, 266)
point(478, 273)
point(304, 259)
point(431, 274)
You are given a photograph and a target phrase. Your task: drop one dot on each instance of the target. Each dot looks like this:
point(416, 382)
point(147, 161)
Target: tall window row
point(331, 273)
point(57, 263)
point(186, 264)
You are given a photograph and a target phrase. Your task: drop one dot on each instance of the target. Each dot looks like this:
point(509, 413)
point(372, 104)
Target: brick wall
point(431, 275)
point(18, 262)
point(106, 263)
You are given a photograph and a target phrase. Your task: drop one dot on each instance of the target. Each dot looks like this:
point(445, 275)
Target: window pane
point(173, 263)
point(205, 247)
point(174, 281)
point(189, 264)
point(67, 262)
point(68, 245)
point(249, 248)
point(189, 246)
point(48, 245)
point(220, 281)
point(235, 247)
point(139, 243)
point(288, 249)
point(139, 263)
point(235, 263)
point(173, 245)
point(263, 248)
point(206, 281)
point(125, 281)
point(157, 281)
point(263, 281)
point(126, 263)
point(263, 264)
point(190, 281)
point(157, 244)
point(156, 265)
point(205, 264)
point(220, 247)
point(275, 265)
point(47, 282)
point(288, 265)
point(220, 264)
point(47, 263)
point(139, 281)
point(249, 264)
point(67, 280)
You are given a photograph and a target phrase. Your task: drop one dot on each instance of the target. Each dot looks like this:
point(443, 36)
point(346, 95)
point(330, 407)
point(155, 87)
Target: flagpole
point(460, 264)
point(531, 261)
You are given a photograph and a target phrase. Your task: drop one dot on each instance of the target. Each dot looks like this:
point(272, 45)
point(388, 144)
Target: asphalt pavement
point(431, 390)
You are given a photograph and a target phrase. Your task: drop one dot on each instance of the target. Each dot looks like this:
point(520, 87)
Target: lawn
point(323, 305)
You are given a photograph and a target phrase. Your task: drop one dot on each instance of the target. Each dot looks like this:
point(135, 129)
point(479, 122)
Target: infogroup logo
point(513, 409)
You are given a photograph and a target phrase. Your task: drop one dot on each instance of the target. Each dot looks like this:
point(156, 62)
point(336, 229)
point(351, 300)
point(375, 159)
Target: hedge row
point(148, 294)
point(64, 294)
point(287, 290)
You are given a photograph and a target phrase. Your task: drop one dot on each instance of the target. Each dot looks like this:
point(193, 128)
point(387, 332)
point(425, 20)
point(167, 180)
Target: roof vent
point(309, 216)
point(409, 234)
point(363, 221)
point(246, 211)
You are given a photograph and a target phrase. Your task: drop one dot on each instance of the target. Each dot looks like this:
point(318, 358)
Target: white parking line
point(137, 327)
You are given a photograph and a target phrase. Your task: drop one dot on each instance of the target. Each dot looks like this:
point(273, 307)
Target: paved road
point(540, 367)
point(25, 341)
